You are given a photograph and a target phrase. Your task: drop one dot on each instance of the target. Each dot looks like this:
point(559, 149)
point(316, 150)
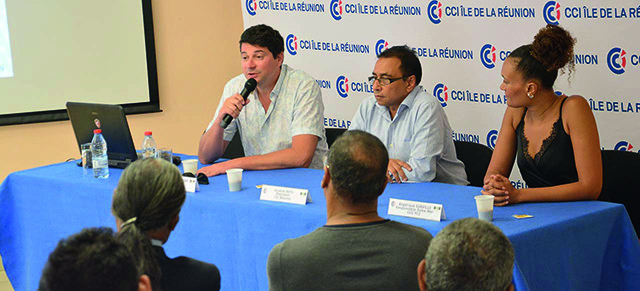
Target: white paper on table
point(285, 194)
point(416, 209)
point(191, 184)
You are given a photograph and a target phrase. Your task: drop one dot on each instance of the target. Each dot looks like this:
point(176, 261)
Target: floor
point(5, 285)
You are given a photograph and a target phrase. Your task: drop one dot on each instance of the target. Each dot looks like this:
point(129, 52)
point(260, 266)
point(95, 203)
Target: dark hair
point(150, 193)
point(551, 50)
point(409, 62)
point(264, 36)
point(358, 167)
point(90, 260)
point(469, 254)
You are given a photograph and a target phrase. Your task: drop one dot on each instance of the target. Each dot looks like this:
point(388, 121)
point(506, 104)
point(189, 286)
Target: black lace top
point(554, 164)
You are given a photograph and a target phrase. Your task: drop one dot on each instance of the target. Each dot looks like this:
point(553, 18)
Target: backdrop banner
point(462, 46)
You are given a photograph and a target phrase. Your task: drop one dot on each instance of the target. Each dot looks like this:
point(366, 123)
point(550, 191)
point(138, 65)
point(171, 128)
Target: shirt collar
point(155, 242)
point(278, 86)
point(411, 98)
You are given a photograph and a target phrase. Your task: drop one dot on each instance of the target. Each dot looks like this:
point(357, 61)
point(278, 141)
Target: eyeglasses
point(383, 81)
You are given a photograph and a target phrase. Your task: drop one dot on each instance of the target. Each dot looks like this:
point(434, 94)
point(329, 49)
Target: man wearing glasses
point(411, 123)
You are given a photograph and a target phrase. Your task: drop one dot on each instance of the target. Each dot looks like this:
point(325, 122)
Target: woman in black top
point(555, 138)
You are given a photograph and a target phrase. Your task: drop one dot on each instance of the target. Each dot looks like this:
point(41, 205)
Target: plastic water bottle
point(100, 161)
point(148, 146)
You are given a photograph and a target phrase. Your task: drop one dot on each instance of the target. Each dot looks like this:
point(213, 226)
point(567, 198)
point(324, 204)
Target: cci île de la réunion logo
point(335, 7)
point(617, 60)
point(252, 6)
point(434, 11)
point(624, 146)
point(342, 86)
point(551, 12)
point(488, 56)
point(441, 92)
point(492, 137)
point(381, 45)
point(292, 44)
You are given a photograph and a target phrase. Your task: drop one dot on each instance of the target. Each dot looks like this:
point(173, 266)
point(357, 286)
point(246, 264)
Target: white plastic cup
point(190, 166)
point(234, 178)
point(484, 203)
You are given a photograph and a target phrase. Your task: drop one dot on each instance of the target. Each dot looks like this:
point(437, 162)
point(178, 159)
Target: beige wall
point(197, 52)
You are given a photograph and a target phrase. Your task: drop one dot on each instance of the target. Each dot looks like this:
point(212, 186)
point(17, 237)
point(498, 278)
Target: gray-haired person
point(147, 204)
point(468, 254)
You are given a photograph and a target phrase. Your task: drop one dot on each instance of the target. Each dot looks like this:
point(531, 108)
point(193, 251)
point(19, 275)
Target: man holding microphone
point(280, 123)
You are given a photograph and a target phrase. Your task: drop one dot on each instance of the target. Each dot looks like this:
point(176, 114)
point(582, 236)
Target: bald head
point(358, 165)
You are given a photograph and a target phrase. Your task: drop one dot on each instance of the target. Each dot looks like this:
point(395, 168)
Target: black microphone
point(249, 86)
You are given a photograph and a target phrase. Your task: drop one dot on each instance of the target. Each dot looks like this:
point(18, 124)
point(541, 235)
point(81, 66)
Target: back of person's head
point(358, 165)
point(148, 197)
point(263, 35)
point(469, 254)
point(151, 191)
point(409, 62)
point(90, 260)
point(551, 50)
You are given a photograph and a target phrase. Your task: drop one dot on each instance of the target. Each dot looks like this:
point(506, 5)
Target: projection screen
point(94, 51)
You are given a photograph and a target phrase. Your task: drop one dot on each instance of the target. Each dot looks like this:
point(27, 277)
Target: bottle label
point(149, 153)
point(100, 163)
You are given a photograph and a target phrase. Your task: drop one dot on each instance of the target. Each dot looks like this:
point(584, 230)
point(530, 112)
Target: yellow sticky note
point(521, 216)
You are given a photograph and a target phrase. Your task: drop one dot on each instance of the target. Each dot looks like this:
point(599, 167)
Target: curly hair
point(551, 50)
point(553, 47)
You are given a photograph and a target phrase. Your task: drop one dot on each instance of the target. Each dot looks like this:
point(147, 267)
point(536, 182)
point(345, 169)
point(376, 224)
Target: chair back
point(619, 171)
point(332, 134)
point(234, 149)
point(476, 158)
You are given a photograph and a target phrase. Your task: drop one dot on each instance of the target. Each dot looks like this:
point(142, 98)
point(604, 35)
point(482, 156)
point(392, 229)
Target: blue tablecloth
point(565, 246)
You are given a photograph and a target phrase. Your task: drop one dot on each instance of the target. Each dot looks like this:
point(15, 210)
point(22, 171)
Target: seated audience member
point(92, 260)
point(468, 254)
point(410, 122)
point(146, 204)
point(555, 138)
point(280, 123)
point(356, 249)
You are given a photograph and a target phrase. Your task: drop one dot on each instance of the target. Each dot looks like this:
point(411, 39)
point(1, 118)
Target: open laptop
point(85, 117)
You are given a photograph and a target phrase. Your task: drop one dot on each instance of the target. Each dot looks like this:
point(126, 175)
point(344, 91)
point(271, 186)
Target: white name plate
point(285, 194)
point(415, 209)
point(191, 184)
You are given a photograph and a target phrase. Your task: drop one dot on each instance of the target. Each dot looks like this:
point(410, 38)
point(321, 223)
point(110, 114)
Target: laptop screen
point(85, 117)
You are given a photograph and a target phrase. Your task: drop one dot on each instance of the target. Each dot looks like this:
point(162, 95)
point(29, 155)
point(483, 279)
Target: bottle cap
point(146, 133)
point(96, 131)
